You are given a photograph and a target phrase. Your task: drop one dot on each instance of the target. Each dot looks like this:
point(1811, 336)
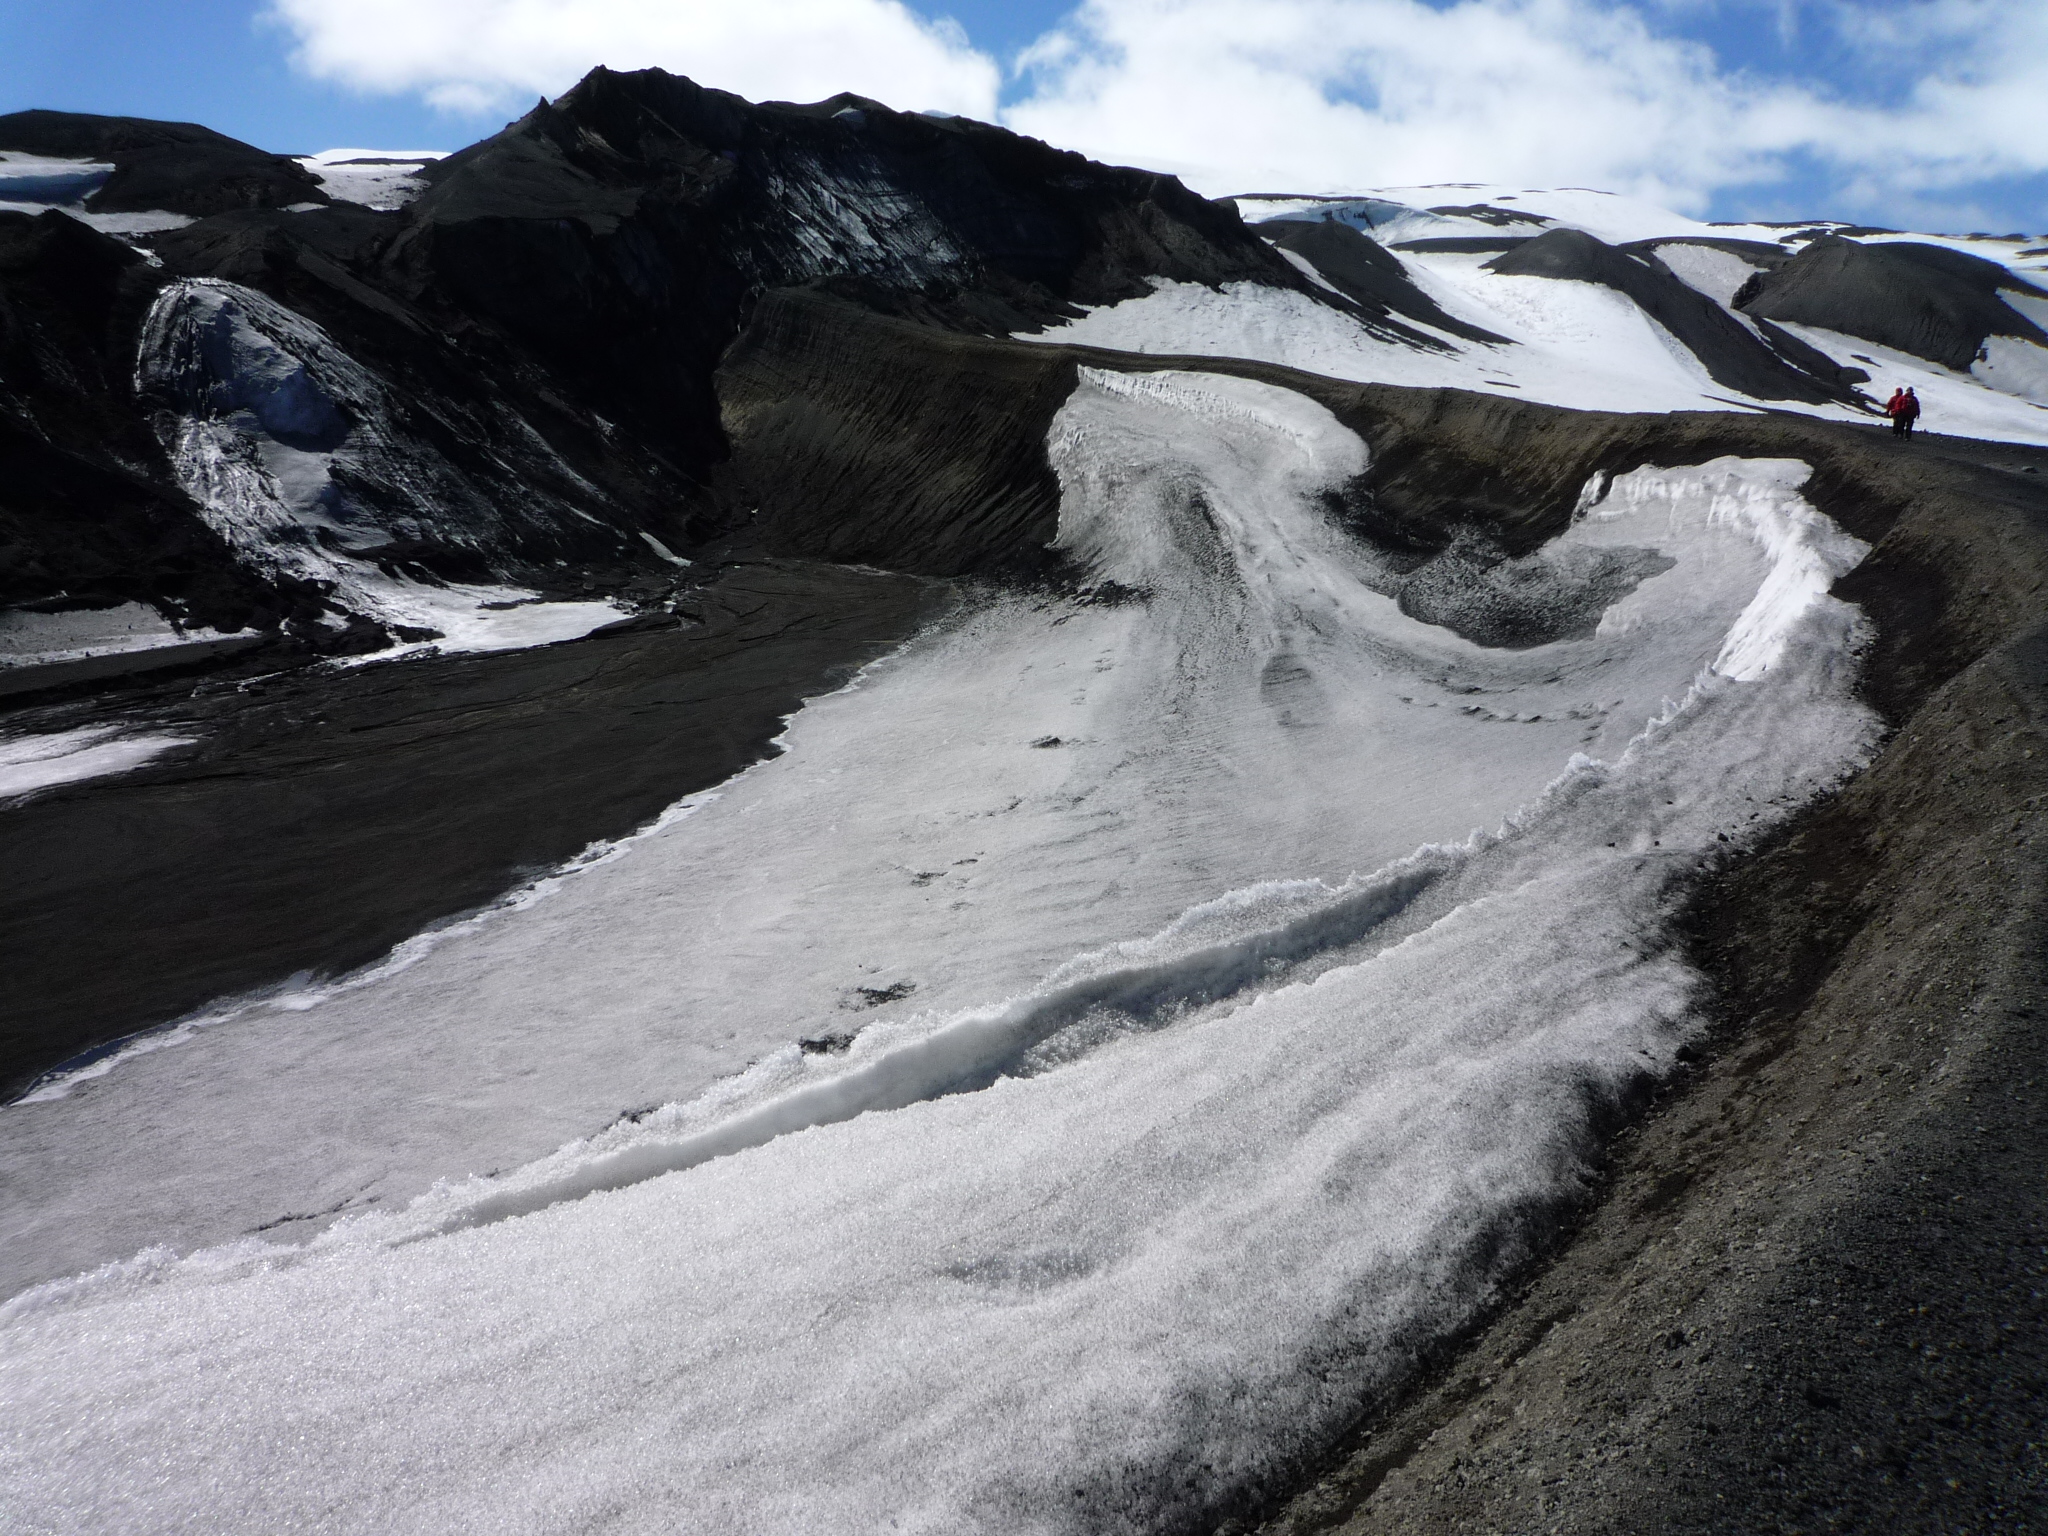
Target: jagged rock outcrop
point(90, 514)
point(531, 345)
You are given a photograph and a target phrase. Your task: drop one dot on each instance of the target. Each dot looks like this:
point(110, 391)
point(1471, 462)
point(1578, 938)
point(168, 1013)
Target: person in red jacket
point(1904, 410)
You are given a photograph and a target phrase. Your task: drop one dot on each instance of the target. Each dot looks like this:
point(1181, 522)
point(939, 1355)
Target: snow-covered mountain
point(1107, 1048)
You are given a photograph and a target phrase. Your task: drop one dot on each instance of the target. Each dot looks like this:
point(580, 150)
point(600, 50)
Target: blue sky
point(1927, 113)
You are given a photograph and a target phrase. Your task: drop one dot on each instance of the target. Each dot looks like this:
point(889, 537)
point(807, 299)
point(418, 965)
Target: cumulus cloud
point(483, 55)
point(1323, 95)
point(1318, 95)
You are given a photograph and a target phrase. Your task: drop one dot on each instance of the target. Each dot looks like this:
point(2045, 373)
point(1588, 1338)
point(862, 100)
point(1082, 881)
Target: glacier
point(1231, 979)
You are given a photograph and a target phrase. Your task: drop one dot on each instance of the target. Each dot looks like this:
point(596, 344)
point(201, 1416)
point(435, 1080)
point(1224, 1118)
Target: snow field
point(377, 178)
point(1577, 344)
point(1267, 1069)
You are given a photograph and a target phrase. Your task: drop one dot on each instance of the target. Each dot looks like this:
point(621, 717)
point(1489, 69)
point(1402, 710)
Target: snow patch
point(29, 763)
point(73, 634)
point(2014, 367)
point(376, 178)
point(1716, 273)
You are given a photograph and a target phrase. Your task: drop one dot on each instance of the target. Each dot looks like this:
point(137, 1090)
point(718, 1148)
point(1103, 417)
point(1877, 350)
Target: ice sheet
point(1268, 1072)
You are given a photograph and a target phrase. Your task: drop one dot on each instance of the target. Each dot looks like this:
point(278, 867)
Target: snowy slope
point(376, 178)
point(1195, 1011)
point(1123, 1030)
point(1577, 344)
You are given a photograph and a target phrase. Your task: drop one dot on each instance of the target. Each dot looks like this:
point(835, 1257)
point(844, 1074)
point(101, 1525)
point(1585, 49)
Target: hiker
point(1904, 410)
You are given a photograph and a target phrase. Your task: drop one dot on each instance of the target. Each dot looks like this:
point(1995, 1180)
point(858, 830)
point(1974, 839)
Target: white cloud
point(1978, 104)
point(1319, 95)
point(484, 55)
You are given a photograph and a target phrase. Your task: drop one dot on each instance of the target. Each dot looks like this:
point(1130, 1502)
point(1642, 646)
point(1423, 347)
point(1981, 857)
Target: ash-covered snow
point(29, 763)
point(1266, 1066)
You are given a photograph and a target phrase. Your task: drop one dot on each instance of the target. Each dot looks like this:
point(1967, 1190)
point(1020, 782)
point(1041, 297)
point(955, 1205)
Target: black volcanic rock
point(1926, 300)
point(1487, 213)
point(620, 232)
point(1729, 353)
point(89, 510)
point(537, 335)
point(1464, 245)
point(1366, 272)
point(174, 167)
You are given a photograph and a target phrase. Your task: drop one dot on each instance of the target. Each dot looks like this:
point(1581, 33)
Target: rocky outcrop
point(517, 369)
point(90, 513)
point(169, 167)
point(1926, 300)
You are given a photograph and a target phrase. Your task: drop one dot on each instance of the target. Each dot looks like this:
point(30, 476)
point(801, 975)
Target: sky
point(1922, 114)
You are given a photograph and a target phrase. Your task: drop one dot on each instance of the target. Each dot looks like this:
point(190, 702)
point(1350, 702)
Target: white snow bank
point(1716, 273)
point(1981, 403)
point(29, 763)
point(1577, 344)
point(46, 181)
point(1264, 1126)
point(468, 617)
point(2014, 367)
point(145, 223)
point(376, 178)
point(73, 634)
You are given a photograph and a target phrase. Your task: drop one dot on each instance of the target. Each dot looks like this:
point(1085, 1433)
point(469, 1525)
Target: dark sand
point(326, 814)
